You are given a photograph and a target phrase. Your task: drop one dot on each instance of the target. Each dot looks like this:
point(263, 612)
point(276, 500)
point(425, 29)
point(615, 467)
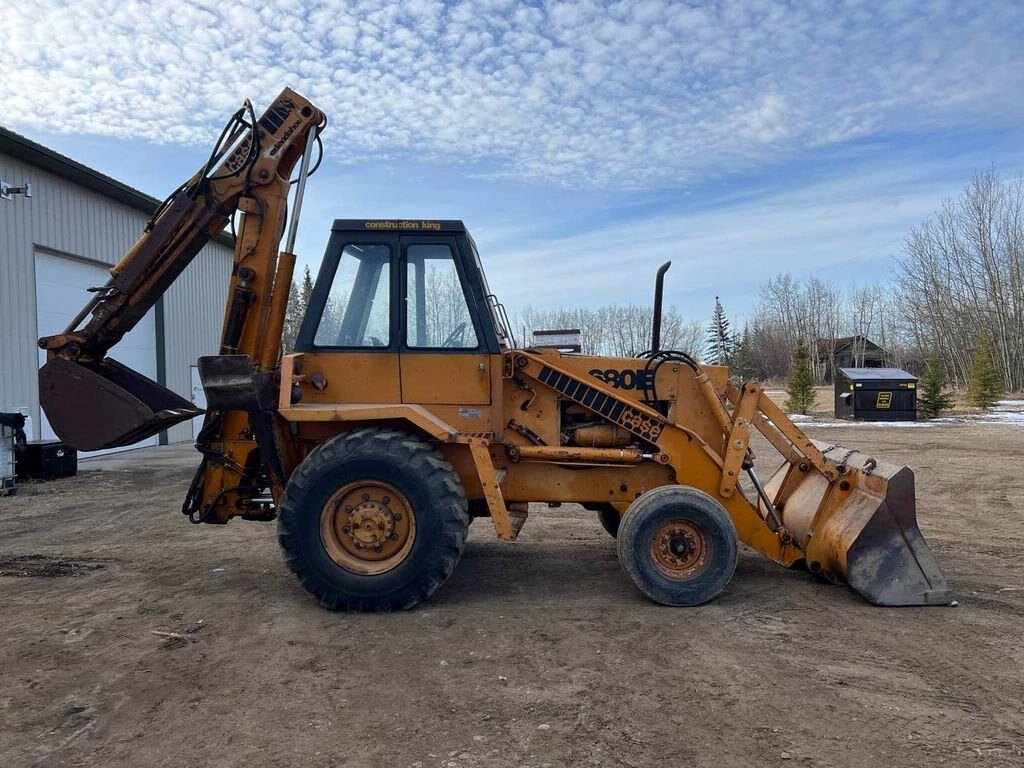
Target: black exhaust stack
point(659, 292)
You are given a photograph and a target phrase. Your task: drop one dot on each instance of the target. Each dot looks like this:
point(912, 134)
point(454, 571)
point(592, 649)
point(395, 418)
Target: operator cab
point(406, 302)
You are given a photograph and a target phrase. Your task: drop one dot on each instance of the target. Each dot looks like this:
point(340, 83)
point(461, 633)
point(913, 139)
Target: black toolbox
point(47, 460)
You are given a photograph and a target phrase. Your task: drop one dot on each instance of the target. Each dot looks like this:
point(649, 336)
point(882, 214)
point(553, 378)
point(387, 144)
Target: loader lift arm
point(847, 517)
point(249, 172)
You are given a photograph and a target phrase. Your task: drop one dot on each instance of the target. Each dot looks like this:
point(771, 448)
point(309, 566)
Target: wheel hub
point(681, 548)
point(678, 546)
point(367, 527)
point(371, 524)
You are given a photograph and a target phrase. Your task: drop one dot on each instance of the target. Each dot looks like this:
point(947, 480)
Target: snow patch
point(1003, 412)
point(886, 424)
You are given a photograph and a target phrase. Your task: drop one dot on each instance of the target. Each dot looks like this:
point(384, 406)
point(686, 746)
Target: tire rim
point(681, 549)
point(368, 527)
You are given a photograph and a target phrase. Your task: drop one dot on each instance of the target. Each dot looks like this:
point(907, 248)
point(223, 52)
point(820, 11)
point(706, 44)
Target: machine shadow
point(505, 576)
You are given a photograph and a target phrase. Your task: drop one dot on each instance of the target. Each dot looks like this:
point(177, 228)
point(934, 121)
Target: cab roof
point(418, 226)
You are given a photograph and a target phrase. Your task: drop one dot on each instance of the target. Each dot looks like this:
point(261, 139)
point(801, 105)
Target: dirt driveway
point(131, 638)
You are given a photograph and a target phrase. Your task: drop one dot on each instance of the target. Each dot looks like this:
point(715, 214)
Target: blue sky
point(583, 143)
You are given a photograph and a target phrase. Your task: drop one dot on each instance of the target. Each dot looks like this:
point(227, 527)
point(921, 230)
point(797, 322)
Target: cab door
point(350, 332)
point(443, 358)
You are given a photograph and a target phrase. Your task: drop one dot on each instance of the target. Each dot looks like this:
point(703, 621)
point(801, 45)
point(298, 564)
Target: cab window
point(357, 311)
point(437, 313)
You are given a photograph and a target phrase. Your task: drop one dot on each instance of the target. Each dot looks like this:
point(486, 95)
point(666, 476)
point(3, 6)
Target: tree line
point(613, 329)
point(823, 316)
point(814, 311)
point(960, 280)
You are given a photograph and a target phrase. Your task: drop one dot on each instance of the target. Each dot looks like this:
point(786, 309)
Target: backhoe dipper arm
point(94, 402)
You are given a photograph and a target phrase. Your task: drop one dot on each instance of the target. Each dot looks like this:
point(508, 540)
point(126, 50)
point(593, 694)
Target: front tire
point(678, 545)
point(374, 519)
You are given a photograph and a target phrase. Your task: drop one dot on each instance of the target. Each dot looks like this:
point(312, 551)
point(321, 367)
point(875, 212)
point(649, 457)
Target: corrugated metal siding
point(69, 219)
point(193, 316)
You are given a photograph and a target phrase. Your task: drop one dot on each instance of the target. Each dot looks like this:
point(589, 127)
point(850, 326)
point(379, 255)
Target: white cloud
point(624, 94)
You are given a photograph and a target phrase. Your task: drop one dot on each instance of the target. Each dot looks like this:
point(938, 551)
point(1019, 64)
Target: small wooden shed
point(876, 394)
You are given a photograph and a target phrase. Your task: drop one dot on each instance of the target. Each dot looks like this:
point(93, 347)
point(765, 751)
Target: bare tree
point(961, 276)
point(616, 330)
point(819, 314)
point(862, 307)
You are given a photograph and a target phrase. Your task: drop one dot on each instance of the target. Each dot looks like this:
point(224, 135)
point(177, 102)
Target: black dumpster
point(876, 394)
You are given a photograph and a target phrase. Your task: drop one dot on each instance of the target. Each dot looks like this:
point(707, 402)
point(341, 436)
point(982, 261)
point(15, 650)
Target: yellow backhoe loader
point(407, 408)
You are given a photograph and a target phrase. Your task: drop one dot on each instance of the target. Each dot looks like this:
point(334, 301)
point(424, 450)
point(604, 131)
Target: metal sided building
point(876, 394)
point(62, 240)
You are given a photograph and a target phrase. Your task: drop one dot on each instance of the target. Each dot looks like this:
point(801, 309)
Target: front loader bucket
point(92, 406)
point(861, 530)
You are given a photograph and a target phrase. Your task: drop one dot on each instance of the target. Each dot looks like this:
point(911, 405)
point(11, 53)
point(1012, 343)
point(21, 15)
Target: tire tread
point(631, 546)
point(418, 458)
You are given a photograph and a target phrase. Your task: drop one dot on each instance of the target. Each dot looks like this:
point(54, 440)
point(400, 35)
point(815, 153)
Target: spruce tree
point(931, 399)
point(307, 289)
point(292, 319)
point(984, 385)
point(298, 302)
point(742, 364)
point(799, 384)
point(720, 341)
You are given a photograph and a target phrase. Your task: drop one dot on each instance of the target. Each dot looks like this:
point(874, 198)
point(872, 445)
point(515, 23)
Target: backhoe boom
point(247, 172)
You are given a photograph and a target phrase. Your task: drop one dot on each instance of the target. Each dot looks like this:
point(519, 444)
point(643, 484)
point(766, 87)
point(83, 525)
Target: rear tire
point(678, 545)
point(374, 519)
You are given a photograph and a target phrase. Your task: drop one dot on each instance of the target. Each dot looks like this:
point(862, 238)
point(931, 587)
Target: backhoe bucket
point(92, 406)
point(861, 530)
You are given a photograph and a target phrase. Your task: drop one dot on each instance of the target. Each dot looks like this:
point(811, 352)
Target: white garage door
point(61, 285)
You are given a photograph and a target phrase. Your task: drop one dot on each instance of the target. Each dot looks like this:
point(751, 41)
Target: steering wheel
point(455, 336)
